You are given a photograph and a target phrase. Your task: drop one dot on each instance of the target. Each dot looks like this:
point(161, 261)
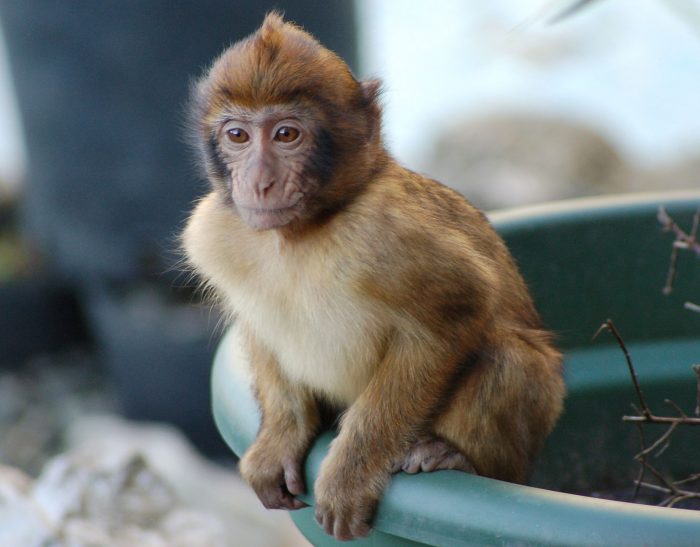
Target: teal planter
point(586, 261)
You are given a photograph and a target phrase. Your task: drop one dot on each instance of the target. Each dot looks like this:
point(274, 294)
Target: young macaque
point(360, 285)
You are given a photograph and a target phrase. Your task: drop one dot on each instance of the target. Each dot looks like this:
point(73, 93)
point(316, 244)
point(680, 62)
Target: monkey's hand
point(276, 477)
point(273, 464)
point(347, 495)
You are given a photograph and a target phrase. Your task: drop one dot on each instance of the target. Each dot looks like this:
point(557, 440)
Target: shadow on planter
point(585, 260)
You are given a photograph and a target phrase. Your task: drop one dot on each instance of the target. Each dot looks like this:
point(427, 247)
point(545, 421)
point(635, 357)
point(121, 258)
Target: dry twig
point(696, 369)
point(684, 241)
point(675, 494)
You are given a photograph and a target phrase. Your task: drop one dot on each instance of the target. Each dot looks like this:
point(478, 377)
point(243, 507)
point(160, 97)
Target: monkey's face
point(267, 153)
point(284, 129)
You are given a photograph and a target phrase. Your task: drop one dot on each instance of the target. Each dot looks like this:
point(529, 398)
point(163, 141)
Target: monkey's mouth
point(259, 211)
point(267, 218)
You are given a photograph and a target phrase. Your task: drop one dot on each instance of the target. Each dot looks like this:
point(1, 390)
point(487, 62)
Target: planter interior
point(585, 261)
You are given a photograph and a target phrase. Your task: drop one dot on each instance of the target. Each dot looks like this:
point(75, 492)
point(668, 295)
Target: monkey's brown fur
point(389, 296)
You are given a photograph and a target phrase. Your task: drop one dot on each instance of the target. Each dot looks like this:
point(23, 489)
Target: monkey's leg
point(290, 420)
point(500, 417)
point(378, 428)
point(432, 454)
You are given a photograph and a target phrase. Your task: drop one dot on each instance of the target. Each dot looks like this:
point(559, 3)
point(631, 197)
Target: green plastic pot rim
point(546, 212)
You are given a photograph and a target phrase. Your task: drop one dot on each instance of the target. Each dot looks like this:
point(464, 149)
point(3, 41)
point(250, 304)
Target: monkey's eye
point(287, 134)
point(237, 135)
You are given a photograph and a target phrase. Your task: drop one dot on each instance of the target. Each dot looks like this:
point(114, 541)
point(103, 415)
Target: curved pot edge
point(591, 206)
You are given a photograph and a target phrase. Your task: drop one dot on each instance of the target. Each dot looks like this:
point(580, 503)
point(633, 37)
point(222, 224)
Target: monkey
point(357, 285)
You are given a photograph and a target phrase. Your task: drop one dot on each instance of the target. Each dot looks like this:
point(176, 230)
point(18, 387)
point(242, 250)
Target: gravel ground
point(39, 402)
point(72, 472)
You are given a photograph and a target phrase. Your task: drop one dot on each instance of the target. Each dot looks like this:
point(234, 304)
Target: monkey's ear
point(371, 88)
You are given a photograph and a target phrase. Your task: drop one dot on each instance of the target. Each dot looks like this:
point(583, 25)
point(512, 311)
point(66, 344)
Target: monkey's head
point(285, 131)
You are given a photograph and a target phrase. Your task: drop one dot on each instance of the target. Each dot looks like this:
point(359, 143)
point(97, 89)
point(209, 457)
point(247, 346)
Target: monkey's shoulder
point(410, 235)
point(418, 216)
point(408, 198)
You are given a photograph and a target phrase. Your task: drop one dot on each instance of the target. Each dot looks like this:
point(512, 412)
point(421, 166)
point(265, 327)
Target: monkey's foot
point(432, 454)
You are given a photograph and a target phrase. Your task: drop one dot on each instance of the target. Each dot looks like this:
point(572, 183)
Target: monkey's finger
point(431, 463)
point(279, 498)
point(271, 498)
point(324, 520)
point(289, 501)
point(341, 530)
point(286, 501)
point(452, 460)
point(359, 526)
point(411, 464)
point(293, 479)
point(298, 504)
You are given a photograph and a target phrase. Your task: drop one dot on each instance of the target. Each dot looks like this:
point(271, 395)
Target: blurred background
point(104, 346)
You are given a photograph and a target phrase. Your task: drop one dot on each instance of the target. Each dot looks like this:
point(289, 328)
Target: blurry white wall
point(12, 153)
point(630, 69)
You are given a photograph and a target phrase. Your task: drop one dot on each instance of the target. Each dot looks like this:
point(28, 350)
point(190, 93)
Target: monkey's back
point(406, 218)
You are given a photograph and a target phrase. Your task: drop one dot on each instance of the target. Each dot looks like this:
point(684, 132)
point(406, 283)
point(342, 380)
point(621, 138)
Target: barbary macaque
point(357, 285)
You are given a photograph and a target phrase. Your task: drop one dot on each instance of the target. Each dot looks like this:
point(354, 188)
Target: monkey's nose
point(263, 186)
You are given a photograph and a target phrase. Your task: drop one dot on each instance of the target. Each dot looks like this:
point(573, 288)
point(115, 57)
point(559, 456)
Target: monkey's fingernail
point(298, 504)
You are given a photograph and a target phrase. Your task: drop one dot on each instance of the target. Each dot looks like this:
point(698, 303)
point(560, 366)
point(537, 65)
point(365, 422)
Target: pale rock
point(22, 521)
point(208, 488)
point(126, 485)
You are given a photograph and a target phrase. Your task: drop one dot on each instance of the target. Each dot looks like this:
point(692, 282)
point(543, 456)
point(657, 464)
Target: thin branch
point(674, 496)
point(657, 488)
point(646, 451)
point(653, 419)
point(676, 407)
point(610, 327)
point(644, 414)
point(683, 241)
point(682, 418)
point(671, 275)
point(670, 487)
point(678, 499)
point(696, 370)
point(641, 458)
point(691, 478)
point(674, 493)
point(696, 224)
point(686, 240)
point(692, 307)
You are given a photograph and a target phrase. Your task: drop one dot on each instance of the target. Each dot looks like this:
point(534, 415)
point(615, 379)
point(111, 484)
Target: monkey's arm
point(439, 293)
point(396, 407)
point(290, 420)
